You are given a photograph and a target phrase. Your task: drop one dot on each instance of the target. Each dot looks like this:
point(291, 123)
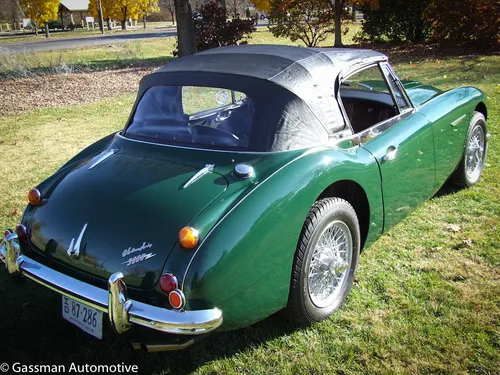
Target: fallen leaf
point(467, 242)
point(16, 212)
point(439, 248)
point(454, 227)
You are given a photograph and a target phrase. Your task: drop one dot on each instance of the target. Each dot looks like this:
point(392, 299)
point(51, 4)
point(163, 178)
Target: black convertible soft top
point(309, 73)
point(271, 62)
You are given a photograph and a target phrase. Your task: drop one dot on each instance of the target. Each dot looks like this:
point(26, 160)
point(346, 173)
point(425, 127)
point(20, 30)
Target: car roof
point(268, 61)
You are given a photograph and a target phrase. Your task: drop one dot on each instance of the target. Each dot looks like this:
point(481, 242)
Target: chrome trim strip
point(212, 150)
point(102, 156)
point(459, 120)
point(202, 172)
point(133, 312)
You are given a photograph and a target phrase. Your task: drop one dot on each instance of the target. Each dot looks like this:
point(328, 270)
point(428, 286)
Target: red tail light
point(168, 282)
point(21, 232)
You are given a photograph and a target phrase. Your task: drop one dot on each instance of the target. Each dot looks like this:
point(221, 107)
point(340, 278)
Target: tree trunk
point(36, 27)
point(185, 28)
point(338, 20)
point(47, 29)
point(99, 15)
point(353, 14)
point(124, 20)
point(144, 19)
point(109, 24)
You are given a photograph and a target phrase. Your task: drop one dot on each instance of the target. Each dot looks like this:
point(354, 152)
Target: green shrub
point(465, 21)
point(395, 21)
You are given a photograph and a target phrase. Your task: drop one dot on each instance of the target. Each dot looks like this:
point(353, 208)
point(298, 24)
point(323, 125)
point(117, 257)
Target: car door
point(401, 140)
point(450, 121)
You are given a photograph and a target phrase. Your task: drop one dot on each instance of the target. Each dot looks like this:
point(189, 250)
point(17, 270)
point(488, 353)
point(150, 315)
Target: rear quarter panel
point(244, 265)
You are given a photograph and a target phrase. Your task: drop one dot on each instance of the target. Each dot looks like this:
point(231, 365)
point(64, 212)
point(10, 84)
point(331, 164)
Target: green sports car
point(247, 180)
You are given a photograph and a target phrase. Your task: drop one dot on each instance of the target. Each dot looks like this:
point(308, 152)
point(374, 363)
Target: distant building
point(73, 11)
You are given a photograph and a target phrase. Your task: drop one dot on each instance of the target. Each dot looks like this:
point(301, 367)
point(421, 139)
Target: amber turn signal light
point(176, 299)
point(188, 237)
point(34, 197)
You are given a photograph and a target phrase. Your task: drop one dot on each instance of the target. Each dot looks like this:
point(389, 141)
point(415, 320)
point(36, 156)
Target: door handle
point(391, 154)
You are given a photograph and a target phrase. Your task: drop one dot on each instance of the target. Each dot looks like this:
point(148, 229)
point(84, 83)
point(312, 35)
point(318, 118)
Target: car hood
point(126, 211)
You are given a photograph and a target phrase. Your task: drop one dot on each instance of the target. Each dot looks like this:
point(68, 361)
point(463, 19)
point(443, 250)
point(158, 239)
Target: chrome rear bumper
point(123, 312)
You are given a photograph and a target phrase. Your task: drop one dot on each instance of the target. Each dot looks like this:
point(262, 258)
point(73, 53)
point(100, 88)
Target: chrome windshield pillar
point(10, 253)
point(118, 303)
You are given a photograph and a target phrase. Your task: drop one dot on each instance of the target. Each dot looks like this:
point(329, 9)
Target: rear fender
point(243, 266)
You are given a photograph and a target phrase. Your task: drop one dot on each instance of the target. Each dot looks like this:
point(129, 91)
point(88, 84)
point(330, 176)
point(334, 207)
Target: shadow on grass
point(34, 332)
point(405, 52)
point(448, 188)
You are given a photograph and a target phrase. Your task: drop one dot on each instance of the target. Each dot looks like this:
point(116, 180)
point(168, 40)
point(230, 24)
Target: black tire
point(461, 177)
point(301, 309)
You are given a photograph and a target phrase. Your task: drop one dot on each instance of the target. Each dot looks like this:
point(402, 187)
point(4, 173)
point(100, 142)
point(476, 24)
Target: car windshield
point(202, 116)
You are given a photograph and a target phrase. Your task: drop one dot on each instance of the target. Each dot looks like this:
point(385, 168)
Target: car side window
point(401, 100)
point(196, 100)
point(367, 98)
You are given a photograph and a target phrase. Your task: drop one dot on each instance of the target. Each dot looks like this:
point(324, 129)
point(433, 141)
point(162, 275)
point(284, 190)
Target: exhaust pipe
point(151, 347)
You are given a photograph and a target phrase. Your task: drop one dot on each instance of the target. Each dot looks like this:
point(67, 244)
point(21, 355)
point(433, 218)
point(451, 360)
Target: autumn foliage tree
point(214, 30)
point(40, 11)
point(262, 5)
point(147, 7)
point(310, 21)
point(123, 9)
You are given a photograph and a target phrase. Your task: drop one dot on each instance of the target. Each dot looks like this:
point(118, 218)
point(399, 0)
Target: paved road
point(58, 44)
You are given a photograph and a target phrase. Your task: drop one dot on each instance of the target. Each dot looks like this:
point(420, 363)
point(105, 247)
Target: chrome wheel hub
point(329, 265)
point(474, 156)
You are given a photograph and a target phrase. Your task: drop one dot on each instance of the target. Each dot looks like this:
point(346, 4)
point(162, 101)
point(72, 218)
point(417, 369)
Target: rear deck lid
point(126, 211)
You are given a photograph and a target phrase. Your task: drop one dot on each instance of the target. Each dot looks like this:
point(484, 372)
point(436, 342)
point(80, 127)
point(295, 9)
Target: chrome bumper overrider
point(123, 312)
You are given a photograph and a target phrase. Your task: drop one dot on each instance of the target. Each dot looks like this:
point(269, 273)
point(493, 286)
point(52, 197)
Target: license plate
point(84, 317)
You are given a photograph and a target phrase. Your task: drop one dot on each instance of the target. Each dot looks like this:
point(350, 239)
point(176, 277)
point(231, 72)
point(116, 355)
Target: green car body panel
point(248, 228)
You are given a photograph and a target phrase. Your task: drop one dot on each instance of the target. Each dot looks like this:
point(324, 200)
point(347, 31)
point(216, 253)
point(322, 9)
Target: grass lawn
point(425, 302)
point(110, 56)
point(118, 55)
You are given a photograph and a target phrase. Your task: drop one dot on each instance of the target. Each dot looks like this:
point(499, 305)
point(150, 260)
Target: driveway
point(58, 44)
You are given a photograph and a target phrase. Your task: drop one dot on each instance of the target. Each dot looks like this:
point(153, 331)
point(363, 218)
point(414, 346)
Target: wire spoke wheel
point(470, 168)
point(330, 262)
point(325, 261)
point(474, 154)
